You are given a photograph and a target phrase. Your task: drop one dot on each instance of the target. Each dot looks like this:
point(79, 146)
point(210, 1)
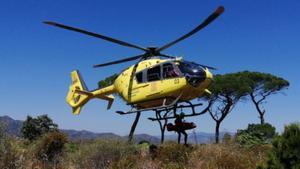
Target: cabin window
point(153, 74)
point(139, 77)
point(169, 71)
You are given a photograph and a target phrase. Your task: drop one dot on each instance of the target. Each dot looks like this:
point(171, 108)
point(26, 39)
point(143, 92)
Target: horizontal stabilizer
point(79, 94)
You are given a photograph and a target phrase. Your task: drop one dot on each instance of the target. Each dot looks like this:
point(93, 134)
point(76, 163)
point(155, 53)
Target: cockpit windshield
point(190, 68)
point(193, 72)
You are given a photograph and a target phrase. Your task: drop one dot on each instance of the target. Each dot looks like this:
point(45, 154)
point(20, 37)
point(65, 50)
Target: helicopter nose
point(197, 76)
point(202, 78)
point(208, 74)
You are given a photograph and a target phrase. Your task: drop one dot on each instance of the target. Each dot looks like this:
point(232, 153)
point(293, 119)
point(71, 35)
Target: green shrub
point(50, 146)
point(227, 156)
point(12, 155)
point(103, 154)
point(35, 127)
point(256, 134)
point(71, 147)
point(227, 139)
point(173, 155)
point(107, 81)
point(286, 149)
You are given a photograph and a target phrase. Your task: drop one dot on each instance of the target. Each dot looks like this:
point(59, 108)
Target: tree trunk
point(217, 133)
point(260, 112)
point(262, 119)
point(136, 120)
point(162, 130)
point(162, 139)
point(162, 126)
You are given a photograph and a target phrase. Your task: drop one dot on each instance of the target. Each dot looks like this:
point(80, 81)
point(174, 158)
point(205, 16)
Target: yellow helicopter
point(150, 84)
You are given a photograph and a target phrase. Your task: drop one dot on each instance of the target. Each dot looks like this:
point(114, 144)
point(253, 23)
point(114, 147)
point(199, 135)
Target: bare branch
point(211, 114)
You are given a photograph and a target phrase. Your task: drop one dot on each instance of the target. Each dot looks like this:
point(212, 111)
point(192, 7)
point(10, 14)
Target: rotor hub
point(152, 51)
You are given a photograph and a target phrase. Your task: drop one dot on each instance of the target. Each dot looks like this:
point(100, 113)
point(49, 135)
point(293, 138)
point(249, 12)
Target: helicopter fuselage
point(156, 81)
point(148, 84)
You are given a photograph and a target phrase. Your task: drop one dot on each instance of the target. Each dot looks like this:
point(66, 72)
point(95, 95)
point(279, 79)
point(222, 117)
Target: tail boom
point(79, 95)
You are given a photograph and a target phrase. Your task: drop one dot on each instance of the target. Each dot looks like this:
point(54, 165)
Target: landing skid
point(162, 116)
point(165, 112)
point(192, 106)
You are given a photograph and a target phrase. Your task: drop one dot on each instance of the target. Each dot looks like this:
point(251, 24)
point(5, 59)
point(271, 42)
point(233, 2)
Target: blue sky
point(36, 59)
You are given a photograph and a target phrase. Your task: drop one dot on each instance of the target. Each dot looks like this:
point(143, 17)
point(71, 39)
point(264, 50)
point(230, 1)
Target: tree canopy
point(229, 85)
point(256, 134)
point(285, 151)
point(226, 90)
point(107, 81)
point(35, 127)
point(262, 85)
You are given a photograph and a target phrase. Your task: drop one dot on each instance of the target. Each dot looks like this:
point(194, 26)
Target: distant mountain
point(13, 127)
point(145, 137)
point(84, 134)
point(198, 137)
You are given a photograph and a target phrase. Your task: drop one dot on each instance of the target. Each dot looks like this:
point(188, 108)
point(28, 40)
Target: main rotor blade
point(167, 56)
point(119, 61)
point(209, 67)
point(95, 35)
point(207, 21)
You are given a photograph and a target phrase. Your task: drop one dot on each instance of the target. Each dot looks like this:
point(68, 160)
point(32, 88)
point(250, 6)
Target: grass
point(117, 154)
point(229, 156)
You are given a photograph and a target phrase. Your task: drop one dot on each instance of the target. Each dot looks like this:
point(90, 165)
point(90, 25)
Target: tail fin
point(79, 94)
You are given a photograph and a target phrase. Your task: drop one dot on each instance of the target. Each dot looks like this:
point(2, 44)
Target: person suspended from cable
point(179, 124)
point(180, 127)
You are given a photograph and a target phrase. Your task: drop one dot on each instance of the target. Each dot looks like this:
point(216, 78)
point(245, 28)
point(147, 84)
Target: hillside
point(13, 128)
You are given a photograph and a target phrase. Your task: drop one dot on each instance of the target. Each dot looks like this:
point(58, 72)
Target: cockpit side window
point(182, 68)
point(139, 77)
point(169, 71)
point(154, 74)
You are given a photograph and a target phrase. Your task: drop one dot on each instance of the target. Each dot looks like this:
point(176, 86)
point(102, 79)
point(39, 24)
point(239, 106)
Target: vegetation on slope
point(54, 150)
